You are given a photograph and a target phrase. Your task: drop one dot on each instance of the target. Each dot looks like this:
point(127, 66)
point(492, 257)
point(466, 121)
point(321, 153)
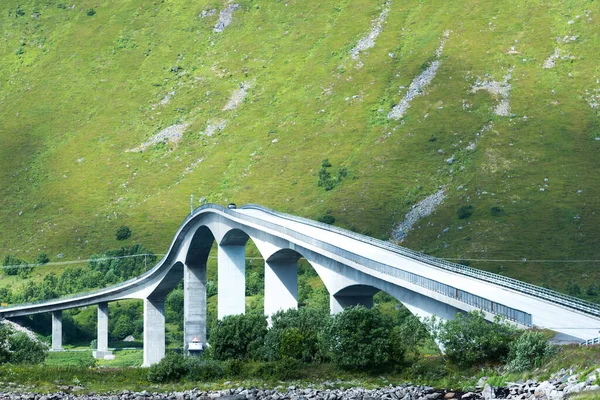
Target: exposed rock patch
point(225, 17)
point(499, 90)
point(238, 96)
point(420, 210)
point(213, 127)
point(419, 83)
point(173, 134)
point(368, 41)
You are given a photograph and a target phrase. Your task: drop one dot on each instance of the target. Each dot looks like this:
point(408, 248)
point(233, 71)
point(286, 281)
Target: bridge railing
point(481, 303)
point(510, 283)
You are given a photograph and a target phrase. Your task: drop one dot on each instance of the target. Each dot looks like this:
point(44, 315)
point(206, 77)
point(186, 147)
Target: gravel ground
point(422, 209)
point(419, 83)
point(172, 134)
point(368, 41)
point(225, 17)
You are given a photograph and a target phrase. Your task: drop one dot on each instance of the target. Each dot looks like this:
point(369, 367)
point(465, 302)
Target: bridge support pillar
point(232, 280)
point(154, 330)
point(194, 304)
point(57, 330)
point(281, 286)
point(338, 303)
point(102, 337)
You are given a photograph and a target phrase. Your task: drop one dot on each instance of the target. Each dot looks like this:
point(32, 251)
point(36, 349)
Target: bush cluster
point(355, 338)
point(18, 348)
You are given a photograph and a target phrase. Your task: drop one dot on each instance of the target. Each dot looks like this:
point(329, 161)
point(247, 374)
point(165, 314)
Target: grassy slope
point(76, 91)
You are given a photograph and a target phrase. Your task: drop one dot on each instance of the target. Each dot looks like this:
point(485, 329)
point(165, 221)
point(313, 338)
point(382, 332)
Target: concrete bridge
point(352, 267)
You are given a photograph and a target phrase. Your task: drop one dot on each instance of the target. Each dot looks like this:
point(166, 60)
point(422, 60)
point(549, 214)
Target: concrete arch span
point(348, 264)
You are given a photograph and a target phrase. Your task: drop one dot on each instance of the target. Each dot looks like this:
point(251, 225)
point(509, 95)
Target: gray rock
point(488, 393)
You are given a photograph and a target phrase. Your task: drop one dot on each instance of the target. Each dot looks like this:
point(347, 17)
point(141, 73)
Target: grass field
point(81, 85)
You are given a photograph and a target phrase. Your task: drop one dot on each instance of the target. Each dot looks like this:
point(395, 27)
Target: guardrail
point(468, 298)
point(510, 283)
point(590, 342)
point(509, 313)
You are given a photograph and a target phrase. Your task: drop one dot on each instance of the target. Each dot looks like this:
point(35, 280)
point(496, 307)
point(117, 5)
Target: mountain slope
point(114, 112)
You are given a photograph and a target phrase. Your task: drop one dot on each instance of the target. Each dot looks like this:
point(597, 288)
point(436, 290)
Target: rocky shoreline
point(561, 385)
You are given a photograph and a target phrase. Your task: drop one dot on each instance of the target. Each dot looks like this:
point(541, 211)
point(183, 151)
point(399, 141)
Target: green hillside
point(115, 112)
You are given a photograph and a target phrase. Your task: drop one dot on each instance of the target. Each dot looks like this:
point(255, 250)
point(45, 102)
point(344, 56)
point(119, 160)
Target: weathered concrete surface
point(232, 280)
point(57, 331)
point(102, 338)
point(154, 330)
point(194, 303)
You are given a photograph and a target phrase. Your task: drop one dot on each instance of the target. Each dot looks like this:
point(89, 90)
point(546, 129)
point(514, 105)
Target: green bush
point(124, 232)
point(171, 368)
point(528, 351)
point(361, 338)
point(25, 350)
point(18, 348)
point(327, 219)
point(295, 334)
point(239, 336)
point(90, 12)
point(496, 211)
point(203, 370)
point(469, 339)
point(465, 211)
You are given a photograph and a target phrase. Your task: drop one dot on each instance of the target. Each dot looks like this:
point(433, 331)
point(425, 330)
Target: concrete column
point(57, 330)
point(102, 338)
point(232, 280)
point(281, 286)
point(194, 304)
point(154, 330)
point(338, 303)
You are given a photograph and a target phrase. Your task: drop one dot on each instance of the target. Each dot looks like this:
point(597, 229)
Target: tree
point(239, 336)
point(361, 338)
point(25, 350)
point(295, 334)
point(469, 339)
point(528, 351)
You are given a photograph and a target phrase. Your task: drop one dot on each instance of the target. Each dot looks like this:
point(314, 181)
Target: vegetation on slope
point(251, 113)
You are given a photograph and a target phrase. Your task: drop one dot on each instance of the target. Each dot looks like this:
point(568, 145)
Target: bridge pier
point(232, 280)
point(281, 285)
point(154, 330)
point(102, 336)
point(57, 330)
point(194, 304)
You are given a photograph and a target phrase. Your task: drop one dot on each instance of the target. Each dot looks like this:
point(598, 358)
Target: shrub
point(123, 233)
point(42, 259)
point(170, 368)
point(203, 370)
point(239, 336)
point(496, 211)
point(465, 211)
point(327, 219)
point(25, 350)
point(469, 339)
point(359, 338)
point(528, 351)
point(90, 12)
point(295, 334)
